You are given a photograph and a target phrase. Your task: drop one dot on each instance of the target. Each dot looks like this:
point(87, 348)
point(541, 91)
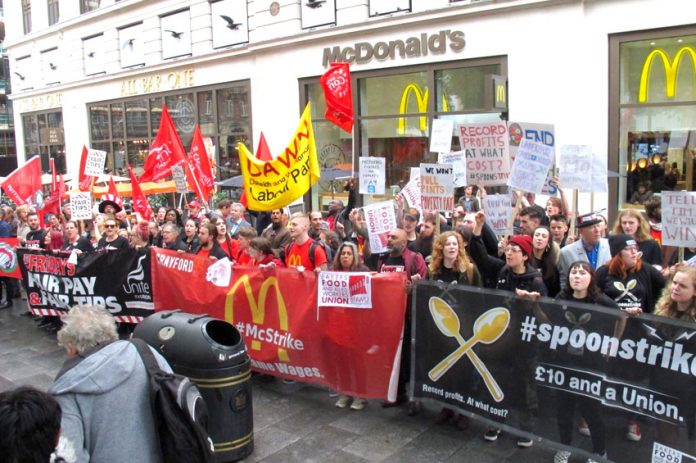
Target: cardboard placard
point(380, 220)
point(437, 187)
point(679, 218)
point(498, 210)
point(458, 162)
point(441, 135)
point(531, 167)
point(81, 205)
point(487, 150)
point(96, 160)
point(372, 175)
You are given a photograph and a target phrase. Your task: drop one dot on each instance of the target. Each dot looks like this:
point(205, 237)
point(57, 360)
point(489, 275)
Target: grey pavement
point(292, 423)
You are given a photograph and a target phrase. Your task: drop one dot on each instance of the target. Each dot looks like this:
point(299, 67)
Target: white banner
point(679, 218)
point(380, 220)
point(531, 167)
point(81, 205)
point(498, 210)
point(575, 167)
point(487, 151)
point(345, 289)
point(94, 165)
point(437, 191)
point(458, 162)
point(371, 176)
point(441, 135)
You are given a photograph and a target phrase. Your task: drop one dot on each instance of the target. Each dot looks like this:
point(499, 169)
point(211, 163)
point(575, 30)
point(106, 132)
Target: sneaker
point(562, 456)
point(591, 460)
point(444, 416)
point(524, 443)
point(583, 429)
point(492, 434)
point(358, 404)
point(333, 394)
point(462, 422)
point(633, 433)
point(343, 401)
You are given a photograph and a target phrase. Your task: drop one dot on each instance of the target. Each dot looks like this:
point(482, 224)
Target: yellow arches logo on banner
point(671, 68)
point(422, 105)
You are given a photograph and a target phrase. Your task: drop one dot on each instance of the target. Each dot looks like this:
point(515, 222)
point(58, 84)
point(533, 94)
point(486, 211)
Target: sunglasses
point(110, 225)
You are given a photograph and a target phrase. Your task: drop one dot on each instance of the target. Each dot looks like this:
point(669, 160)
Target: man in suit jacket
point(236, 220)
point(591, 247)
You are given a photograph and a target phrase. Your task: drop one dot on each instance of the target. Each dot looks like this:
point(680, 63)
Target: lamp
point(657, 158)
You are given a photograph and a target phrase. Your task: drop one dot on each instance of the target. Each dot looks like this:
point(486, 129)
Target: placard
point(179, 179)
point(679, 218)
point(458, 162)
point(380, 220)
point(487, 151)
point(441, 135)
point(94, 165)
point(371, 173)
point(498, 210)
point(412, 191)
point(81, 205)
point(345, 289)
point(437, 192)
point(540, 133)
point(531, 166)
point(599, 181)
point(575, 166)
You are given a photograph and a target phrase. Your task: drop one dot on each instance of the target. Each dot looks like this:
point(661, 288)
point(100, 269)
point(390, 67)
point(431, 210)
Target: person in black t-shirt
point(73, 240)
point(111, 239)
point(36, 235)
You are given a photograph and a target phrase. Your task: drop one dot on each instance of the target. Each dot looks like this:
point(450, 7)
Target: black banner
point(119, 280)
point(533, 368)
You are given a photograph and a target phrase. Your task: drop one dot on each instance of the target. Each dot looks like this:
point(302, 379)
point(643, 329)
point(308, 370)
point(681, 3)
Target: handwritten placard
point(372, 175)
point(540, 133)
point(679, 218)
point(81, 205)
point(412, 191)
point(441, 135)
point(575, 166)
point(380, 220)
point(436, 187)
point(487, 151)
point(458, 162)
point(179, 179)
point(531, 166)
point(94, 164)
point(498, 210)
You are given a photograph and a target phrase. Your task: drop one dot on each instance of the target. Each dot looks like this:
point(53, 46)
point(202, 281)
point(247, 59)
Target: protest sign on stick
point(95, 162)
point(487, 151)
point(372, 175)
point(436, 187)
point(679, 218)
point(575, 166)
point(179, 179)
point(81, 205)
point(441, 135)
point(531, 167)
point(412, 191)
point(540, 133)
point(498, 209)
point(380, 219)
point(458, 162)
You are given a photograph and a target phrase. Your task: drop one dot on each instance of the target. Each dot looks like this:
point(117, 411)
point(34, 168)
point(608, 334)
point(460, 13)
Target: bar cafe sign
point(158, 82)
point(411, 47)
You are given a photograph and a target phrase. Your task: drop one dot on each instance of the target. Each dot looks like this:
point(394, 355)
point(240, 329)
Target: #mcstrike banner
point(533, 366)
point(351, 350)
point(118, 280)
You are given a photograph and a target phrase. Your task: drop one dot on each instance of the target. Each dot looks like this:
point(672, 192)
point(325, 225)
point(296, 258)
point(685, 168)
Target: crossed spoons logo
point(488, 328)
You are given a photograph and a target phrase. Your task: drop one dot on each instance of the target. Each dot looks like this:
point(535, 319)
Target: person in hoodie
point(103, 390)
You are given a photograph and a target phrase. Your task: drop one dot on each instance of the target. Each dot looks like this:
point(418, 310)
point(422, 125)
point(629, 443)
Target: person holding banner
point(170, 238)
point(208, 245)
point(73, 240)
point(261, 253)
point(228, 245)
point(631, 222)
point(111, 240)
point(190, 236)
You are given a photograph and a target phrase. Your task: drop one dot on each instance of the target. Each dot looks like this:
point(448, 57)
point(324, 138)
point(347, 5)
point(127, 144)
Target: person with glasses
point(111, 239)
point(170, 238)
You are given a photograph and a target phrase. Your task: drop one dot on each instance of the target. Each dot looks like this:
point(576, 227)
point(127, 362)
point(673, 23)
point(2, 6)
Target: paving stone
point(270, 440)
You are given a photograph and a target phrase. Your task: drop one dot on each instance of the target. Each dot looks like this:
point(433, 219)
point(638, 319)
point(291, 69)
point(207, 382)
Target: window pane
point(334, 149)
point(57, 153)
point(183, 112)
point(119, 156)
point(99, 122)
point(137, 152)
point(55, 120)
point(31, 130)
point(206, 113)
point(389, 95)
point(155, 115)
point(136, 118)
point(316, 95)
point(117, 120)
point(462, 89)
point(233, 110)
point(228, 160)
point(53, 12)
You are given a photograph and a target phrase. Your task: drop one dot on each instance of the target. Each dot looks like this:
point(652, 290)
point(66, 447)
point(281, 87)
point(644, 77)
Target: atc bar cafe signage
point(411, 47)
point(157, 82)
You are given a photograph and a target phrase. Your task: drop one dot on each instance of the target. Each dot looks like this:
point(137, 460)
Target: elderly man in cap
point(591, 247)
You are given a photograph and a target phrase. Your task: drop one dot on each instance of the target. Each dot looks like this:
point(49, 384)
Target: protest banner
point(531, 167)
point(380, 219)
point(276, 183)
point(412, 191)
point(499, 213)
point(345, 289)
point(524, 366)
point(441, 135)
point(437, 187)
point(540, 133)
point(679, 218)
point(9, 267)
point(371, 179)
point(81, 205)
point(575, 166)
point(118, 280)
point(486, 147)
point(351, 351)
point(95, 162)
point(458, 162)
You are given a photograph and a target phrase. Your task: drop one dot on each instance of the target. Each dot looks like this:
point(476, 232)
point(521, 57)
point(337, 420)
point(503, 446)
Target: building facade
point(619, 76)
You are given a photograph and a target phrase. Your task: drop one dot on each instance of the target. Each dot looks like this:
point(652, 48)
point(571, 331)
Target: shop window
point(136, 118)
point(462, 89)
point(88, 5)
point(183, 112)
point(26, 15)
point(43, 136)
point(99, 122)
point(53, 12)
point(117, 130)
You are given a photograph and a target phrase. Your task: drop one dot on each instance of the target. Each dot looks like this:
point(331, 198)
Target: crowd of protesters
point(552, 251)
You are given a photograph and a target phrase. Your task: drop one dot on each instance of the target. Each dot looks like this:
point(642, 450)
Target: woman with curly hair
point(631, 222)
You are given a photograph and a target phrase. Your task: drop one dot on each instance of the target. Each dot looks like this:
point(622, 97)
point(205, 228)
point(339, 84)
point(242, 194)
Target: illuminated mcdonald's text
point(671, 68)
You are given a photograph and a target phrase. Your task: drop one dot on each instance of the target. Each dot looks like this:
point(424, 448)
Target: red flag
point(166, 151)
point(85, 182)
point(339, 96)
point(199, 167)
point(23, 185)
point(112, 188)
point(53, 201)
point(263, 153)
point(140, 203)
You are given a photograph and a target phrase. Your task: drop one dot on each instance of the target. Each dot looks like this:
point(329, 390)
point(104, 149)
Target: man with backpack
point(303, 252)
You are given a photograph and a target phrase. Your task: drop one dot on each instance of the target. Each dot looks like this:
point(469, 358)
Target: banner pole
point(571, 231)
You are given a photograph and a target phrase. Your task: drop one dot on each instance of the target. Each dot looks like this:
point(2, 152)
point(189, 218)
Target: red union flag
point(140, 203)
point(339, 97)
point(85, 182)
point(23, 185)
point(199, 164)
point(166, 151)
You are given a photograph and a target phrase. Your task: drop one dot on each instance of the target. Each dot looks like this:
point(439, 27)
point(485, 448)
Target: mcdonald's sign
point(294, 261)
point(671, 67)
point(421, 97)
point(258, 307)
point(495, 93)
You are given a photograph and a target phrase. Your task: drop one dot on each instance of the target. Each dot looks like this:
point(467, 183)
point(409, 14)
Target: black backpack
point(179, 413)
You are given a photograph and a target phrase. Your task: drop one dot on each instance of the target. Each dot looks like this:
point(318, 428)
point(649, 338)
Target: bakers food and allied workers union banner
point(119, 280)
point(534, 368)
point(272, 184)
point(352, 350)
point(9, 266)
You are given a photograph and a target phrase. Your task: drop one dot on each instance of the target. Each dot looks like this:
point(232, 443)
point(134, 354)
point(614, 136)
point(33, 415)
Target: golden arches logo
point(671, 68)
point(500, 97)
point(294, 260)
point(421, 103)
point(258, 307)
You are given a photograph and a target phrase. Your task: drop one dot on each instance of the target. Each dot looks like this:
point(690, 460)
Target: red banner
point(339, 96)
point(166, 151)
point(353, 351)
point(23, 184)
point(140, 203)
point(85, 182)
point(199, 164)
point(8, 258)
point(52, 203)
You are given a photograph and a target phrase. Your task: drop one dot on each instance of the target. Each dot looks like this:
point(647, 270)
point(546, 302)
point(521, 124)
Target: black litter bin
point(212, 354)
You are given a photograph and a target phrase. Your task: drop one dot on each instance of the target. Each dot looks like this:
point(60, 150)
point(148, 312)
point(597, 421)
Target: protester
point(261, 253)
point(139, 236)
point(591, 247)
point(653, 209)
point(160, 216)
point(208, 245)
point(236, 220)
point(111, 239)
point(73, 240)
point(155, 235)
point(276, 233)
point(54, 240)
point(34, 237)
point(545, 256)
point(316, 224)
point(303, 253)
point(469, 201)
point(530, 218)
point(190, 236)
point(359, 236)
point(170, 238)
point(424, 242)
point(227, 244)
point(194, 212)
point(103, 389)
point(338, 214)
point(410, 223)
point(631, 222)
point(23, 222)
point(559, 230)
point(173, 216)
point(246, 234)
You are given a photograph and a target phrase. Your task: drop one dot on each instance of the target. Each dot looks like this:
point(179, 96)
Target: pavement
point(292, 423)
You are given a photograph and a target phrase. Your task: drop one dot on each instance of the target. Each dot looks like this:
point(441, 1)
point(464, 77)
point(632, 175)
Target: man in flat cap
point(591, 247)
